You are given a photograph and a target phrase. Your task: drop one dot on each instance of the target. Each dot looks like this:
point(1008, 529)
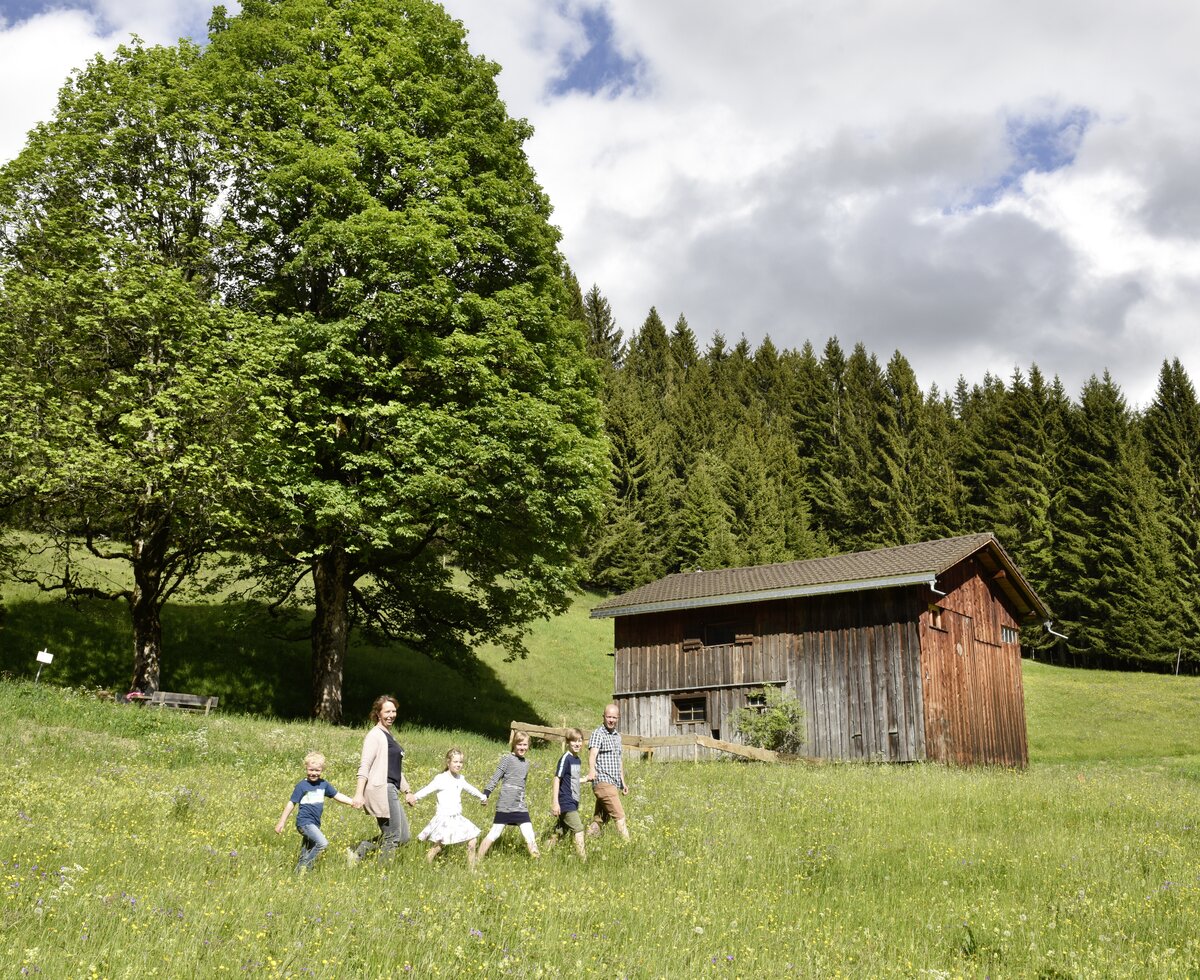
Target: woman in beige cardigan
point(381, 782)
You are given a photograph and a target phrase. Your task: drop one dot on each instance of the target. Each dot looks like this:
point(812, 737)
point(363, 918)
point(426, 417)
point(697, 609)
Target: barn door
point(986, 712)
point(981, 724)
point(948, 726)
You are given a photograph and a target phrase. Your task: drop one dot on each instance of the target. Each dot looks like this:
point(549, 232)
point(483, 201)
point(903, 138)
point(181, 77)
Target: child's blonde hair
point(316, 758)
point(574, 734)
point(451, 753)
point(518, 736)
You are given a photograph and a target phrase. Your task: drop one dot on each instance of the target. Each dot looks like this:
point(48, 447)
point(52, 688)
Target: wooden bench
point(186, 702)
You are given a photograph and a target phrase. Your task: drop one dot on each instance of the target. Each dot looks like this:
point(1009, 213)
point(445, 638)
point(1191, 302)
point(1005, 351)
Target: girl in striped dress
point(511, 808)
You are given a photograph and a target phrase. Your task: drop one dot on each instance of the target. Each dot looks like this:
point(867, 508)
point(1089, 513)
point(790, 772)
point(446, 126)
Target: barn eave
point(765, 595)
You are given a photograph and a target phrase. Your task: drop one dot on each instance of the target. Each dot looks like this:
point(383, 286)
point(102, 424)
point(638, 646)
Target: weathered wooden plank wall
point(855, 670)
point(878, 677)
point(652, 654)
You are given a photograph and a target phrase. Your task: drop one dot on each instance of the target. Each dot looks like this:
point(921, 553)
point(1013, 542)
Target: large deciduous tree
point(446, 451)
point(131, 396)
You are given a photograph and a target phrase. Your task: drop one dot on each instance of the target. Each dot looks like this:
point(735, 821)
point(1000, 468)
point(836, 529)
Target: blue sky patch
point(602, 67)
point(189, 21)
point(15, 11)
point(1037, 144)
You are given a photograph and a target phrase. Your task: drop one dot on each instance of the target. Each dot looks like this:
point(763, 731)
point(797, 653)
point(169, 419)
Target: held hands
point(410, 799)
point(357, 802)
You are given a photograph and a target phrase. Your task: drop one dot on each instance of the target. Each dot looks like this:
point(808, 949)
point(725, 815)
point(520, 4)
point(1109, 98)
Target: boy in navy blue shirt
point(309, 795)
point(564, 794)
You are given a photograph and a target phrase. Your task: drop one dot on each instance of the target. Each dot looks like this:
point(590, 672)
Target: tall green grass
point(140, 843)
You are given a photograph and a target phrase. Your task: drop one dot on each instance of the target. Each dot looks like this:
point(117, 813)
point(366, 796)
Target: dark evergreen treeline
point(734, 456)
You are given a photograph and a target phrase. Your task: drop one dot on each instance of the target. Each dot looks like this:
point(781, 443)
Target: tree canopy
point(445, 453)
point(133, 398)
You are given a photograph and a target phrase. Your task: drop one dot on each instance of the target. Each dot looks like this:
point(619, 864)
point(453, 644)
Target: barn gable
point(897, 654)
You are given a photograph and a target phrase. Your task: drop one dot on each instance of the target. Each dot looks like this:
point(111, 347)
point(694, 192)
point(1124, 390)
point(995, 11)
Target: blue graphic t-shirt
point(568, 782)
point(310, 800)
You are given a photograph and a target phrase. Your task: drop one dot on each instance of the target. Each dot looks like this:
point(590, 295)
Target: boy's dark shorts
point(570, 821)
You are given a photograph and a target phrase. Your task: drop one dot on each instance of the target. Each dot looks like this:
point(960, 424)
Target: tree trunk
point(330, 632)
point(145, 604)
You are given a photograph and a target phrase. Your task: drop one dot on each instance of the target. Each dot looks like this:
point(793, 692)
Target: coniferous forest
point(728, 455)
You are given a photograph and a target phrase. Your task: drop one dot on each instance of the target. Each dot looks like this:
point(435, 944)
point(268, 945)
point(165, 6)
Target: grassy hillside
point(1098, 715)
point(259, 664)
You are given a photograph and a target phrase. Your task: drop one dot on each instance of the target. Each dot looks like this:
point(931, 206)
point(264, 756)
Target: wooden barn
point(899, 654)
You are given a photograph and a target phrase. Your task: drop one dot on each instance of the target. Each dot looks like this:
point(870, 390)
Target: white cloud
point(39, 52)
point(810, 168)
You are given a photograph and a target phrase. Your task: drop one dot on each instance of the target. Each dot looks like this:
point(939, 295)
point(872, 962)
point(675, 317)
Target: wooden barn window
point(689, 709)
point(935, 617)
point(1009, 635)
point(727, 634)
point(757, 701)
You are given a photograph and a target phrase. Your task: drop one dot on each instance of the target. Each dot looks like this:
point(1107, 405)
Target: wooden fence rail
point(646, 744)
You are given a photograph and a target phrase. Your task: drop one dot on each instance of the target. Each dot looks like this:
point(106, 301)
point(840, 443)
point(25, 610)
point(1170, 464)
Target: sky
point(982, 186)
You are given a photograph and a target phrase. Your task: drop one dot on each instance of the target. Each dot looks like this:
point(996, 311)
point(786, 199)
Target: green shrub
point(777, 724)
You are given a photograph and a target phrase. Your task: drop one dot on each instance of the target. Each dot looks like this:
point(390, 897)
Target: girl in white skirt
point(448, 825)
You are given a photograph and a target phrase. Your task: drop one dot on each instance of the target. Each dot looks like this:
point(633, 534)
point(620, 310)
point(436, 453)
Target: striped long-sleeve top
point(511, 773)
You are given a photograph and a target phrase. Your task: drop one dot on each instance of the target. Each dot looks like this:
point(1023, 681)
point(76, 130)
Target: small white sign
point(45, 657)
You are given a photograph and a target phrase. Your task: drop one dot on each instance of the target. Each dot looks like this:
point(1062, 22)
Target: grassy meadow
point(141, 843)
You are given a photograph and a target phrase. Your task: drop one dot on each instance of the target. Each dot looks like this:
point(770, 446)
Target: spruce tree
point(846, 479)
point(1111, 583)
point(979, 438)
point(1172, 430)
point(649, 355)
point(812, 423)
point(604, 338)
point(684, 352)
point(1024, 476)
point(702, 535)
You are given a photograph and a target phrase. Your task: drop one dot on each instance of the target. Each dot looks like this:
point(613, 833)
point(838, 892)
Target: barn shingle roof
point(909, 564)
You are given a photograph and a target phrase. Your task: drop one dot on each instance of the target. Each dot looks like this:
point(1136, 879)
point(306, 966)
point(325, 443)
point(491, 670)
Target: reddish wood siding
point(974, 699)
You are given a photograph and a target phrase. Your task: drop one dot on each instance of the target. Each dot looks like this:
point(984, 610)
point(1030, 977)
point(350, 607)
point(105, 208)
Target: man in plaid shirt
point(606, 770)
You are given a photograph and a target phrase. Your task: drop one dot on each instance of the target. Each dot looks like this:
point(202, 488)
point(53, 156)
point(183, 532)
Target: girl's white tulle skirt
point(455, 829)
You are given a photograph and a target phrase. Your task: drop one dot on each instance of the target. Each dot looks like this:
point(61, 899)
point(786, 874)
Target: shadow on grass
point(239, 653)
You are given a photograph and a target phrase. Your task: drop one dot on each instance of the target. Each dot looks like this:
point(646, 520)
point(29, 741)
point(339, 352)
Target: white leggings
point(526, 830)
